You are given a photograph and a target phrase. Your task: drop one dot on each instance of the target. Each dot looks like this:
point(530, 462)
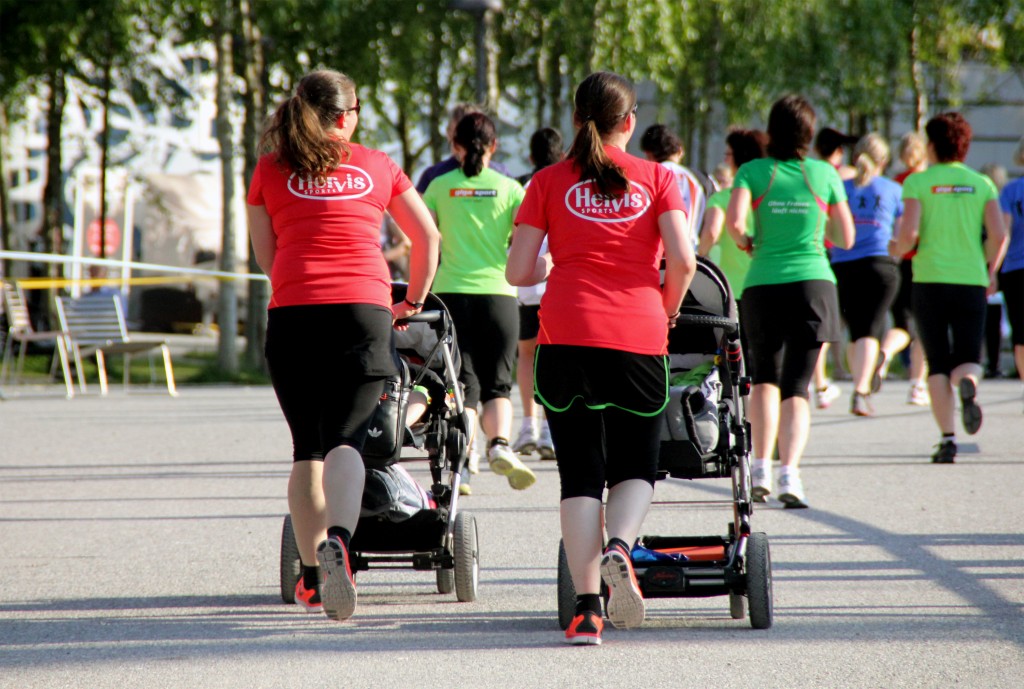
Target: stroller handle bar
point(422, 317)
point(726, 324)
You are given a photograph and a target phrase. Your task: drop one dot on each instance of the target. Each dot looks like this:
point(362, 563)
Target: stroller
point(401, 524)
point(705, 435)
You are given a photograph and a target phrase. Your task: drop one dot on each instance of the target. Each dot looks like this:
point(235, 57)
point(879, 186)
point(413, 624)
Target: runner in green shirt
point(945, 208)
point(475, 209)
point(789, 306)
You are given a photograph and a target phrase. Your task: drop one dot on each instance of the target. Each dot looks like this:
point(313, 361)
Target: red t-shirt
point(328, 235)
point(604, 289)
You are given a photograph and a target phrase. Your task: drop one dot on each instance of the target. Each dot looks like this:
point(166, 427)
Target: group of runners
point(563, 275)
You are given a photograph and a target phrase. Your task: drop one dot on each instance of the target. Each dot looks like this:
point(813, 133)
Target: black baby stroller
point(706, 435)
point(401, 524)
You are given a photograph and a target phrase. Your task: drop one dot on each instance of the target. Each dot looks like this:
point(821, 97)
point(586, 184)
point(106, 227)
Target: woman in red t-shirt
point(601, 367)
point(316, 203)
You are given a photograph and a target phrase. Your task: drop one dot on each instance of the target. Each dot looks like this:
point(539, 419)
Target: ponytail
point(590, 158)
point(603, 99)
point(870, 156)
point(302, 131)
point(474, 134)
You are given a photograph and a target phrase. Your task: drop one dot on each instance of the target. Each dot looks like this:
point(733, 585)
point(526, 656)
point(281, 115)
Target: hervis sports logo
point(344, 184)
point(585, 201)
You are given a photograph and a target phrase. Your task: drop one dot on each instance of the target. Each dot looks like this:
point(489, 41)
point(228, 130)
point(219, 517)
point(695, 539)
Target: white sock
point(529, 423)
point(786, 470)
point(761, 464)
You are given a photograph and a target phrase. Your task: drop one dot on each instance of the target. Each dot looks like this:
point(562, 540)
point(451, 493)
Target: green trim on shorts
point(597, 407)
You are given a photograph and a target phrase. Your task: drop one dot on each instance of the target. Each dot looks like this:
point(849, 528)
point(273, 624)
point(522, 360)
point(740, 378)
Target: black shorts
point(529, 321)
point(328, 363)
point(1011, 284)
point(867, 288)
point(486, 327)
point(951, 324)
point(786, 325)
point(604, 408)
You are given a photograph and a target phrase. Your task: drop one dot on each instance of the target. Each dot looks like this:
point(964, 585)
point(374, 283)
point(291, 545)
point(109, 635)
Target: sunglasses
point(356, 109)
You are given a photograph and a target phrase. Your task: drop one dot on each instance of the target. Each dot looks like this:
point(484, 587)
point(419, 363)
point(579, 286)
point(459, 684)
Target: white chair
point(95, 325)
point(20, 330)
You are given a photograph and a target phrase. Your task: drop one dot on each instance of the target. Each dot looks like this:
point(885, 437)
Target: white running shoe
point(526, 441)
point(918, 395)
point(504, 462)
point(473, 462)
point(761, 479)
point(824, 397)
point(791, 490)
point(545, 446)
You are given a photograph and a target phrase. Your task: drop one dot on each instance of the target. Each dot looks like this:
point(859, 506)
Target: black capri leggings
point(786, 325)
point(328, 364)
point(951, 323)
point(1011, 284)
point(487, 328)
point(867, 288)
point(604, 408)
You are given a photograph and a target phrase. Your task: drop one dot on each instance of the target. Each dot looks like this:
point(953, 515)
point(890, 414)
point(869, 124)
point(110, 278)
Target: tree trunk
point(52, 230)
point(6, 221)
point(108, 66)
point(227, 348)
point(255, 113)
point(917, 73)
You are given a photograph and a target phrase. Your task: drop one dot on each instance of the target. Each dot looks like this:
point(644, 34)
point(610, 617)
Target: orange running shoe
point(308, 599)
point(585, 630)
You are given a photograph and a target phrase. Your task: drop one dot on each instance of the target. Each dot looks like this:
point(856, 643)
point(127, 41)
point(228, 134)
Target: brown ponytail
point(474, 134)
point(301, 131)
point(602, 101)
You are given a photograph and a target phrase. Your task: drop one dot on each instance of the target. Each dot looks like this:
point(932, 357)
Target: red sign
point(112, 237)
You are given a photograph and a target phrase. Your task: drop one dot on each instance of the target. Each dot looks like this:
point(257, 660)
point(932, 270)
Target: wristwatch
point(414, 304)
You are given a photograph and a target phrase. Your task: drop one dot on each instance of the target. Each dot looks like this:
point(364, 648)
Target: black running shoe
point(970, 412)
point(945, 453)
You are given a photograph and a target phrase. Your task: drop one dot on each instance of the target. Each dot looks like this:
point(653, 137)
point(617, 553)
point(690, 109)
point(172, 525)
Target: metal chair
point(20, 330)
point(95, 325)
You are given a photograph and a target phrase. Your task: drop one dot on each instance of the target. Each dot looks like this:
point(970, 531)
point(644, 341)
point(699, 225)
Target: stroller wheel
point(566, 590)
point(291, 564)
point(467, 558)
point(737, 606)
point(759, 581)
point(445, 580)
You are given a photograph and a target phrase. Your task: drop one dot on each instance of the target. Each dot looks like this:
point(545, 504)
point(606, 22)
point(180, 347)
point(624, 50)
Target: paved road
point(139, 538)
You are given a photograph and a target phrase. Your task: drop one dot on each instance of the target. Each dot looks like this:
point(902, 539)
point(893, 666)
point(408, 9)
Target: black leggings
point(487, 329)
point(598, 447)
point(1011, 284)
point(867, 288)
point(951, 322)
point(328, 364)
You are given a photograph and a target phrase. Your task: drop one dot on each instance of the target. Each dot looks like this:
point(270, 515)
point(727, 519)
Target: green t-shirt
point(953, 199)
point(790, 199)
point(733, 261)
point(475, 216)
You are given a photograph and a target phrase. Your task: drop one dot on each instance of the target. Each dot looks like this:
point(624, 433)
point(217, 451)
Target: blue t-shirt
point(1012, 202)
point(875, 208)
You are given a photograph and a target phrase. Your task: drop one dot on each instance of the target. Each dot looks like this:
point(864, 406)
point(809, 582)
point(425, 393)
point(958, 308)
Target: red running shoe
point(625, 601)
point(585, 630)
point(308, 599)
point(338, 590)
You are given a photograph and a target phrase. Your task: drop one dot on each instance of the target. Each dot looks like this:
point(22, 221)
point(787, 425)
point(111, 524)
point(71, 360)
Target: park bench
point(95, 325)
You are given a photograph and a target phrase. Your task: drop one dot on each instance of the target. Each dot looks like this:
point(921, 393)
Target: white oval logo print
point(585, 201)
point(345, 183)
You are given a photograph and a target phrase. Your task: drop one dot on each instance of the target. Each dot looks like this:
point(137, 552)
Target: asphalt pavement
point(140, 538)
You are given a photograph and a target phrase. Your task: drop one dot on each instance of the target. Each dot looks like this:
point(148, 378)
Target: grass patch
point(194, 368)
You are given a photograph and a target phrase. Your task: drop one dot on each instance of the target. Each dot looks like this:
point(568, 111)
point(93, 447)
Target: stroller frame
point(442, 539)
point(737, 564)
